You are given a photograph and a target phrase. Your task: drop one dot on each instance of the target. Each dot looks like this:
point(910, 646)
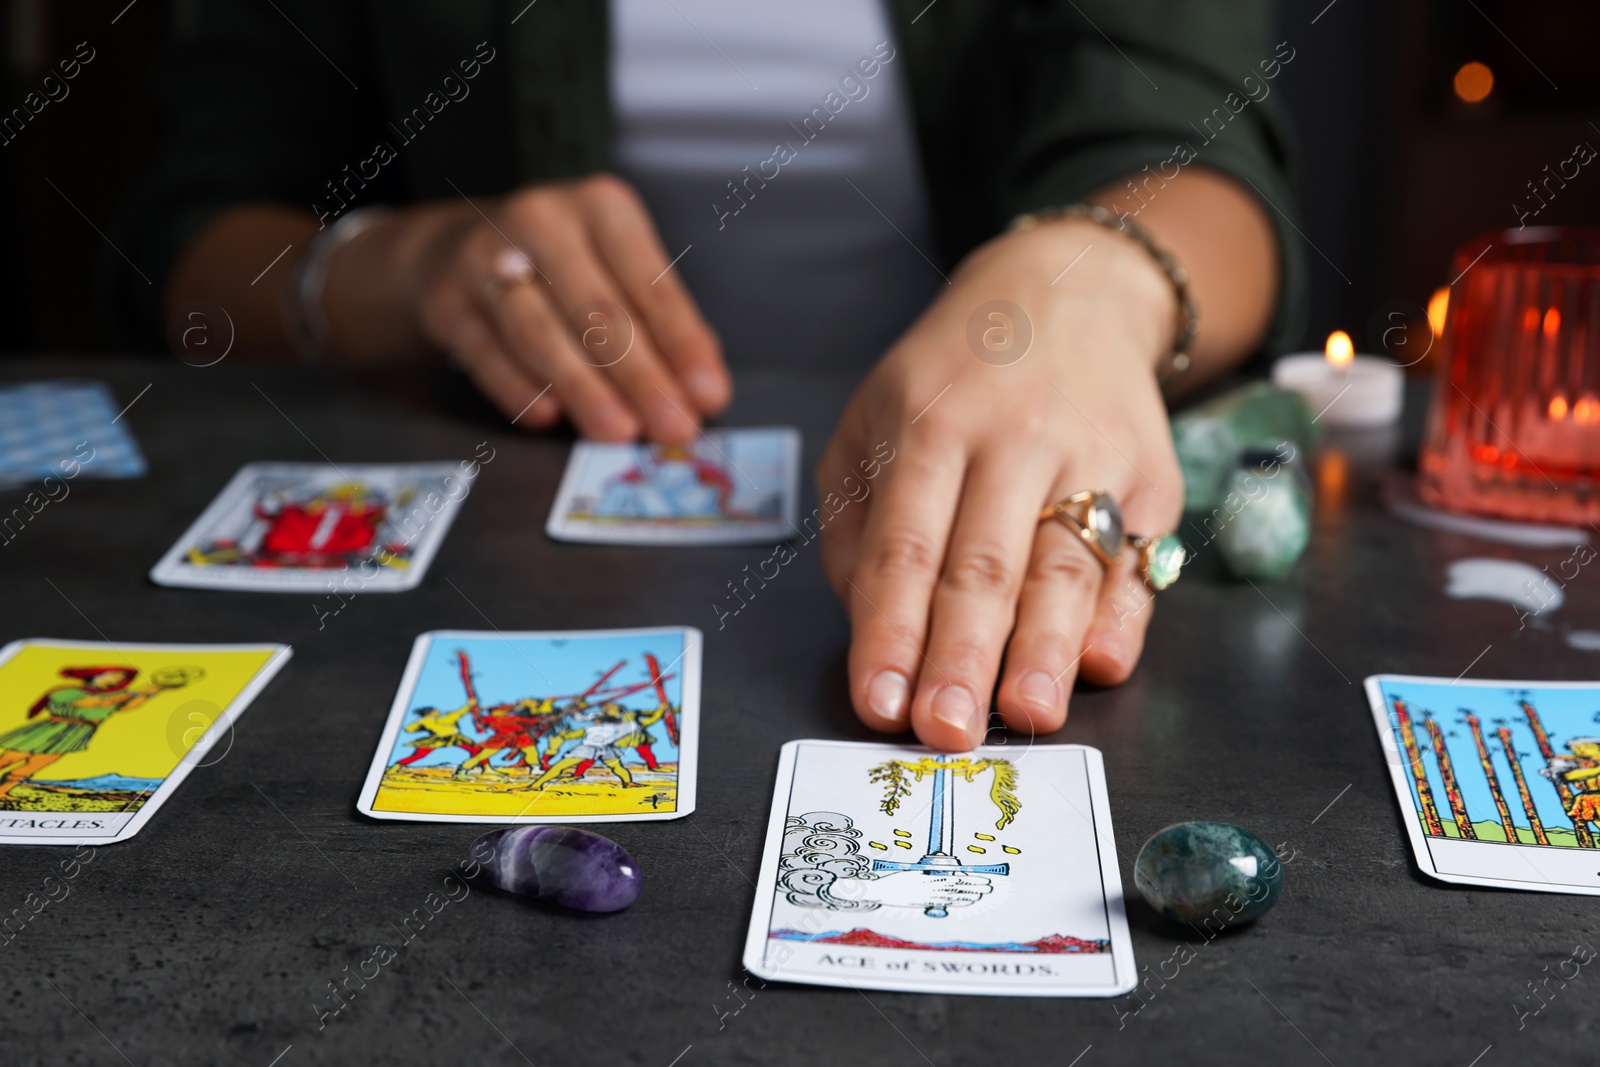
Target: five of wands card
point(575, 726)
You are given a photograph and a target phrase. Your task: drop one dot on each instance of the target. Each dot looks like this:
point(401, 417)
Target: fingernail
point(1114, 652)
point(886, 695)
point(954, 705)
point(1039, 689)
point(704, 386)
point(613, 423)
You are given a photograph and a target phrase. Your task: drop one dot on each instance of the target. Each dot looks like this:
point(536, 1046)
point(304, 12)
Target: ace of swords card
point(895, 867)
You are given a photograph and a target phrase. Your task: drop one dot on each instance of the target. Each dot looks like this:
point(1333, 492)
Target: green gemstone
point(1213, 873)
point(1266, 523)
point(1163, 561)
point(1209, 438)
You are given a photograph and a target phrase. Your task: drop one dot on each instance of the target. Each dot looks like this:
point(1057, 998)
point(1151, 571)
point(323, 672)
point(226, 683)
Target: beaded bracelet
point(1177, 359)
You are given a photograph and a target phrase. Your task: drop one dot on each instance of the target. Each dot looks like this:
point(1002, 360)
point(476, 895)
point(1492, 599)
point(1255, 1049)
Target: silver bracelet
point(1177, 359)
point(303, 311)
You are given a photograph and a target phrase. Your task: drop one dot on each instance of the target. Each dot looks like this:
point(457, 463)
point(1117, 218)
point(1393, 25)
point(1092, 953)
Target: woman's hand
point(944, 566)
point(556, 299)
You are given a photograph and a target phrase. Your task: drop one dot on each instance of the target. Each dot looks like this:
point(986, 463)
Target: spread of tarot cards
point(729, 487)
point(95, 736)
point(896, 867)
point(1498, 781)
point(576, 726)
point(311, 527)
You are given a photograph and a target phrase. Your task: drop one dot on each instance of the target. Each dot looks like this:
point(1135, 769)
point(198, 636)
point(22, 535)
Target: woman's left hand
point(1031, 378)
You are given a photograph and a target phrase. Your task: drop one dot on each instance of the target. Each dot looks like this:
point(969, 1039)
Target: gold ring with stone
point(510, 267)
point(1095, 518)
point(1161, 558)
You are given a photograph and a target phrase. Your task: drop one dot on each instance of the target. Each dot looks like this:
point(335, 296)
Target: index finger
point(898, 560)
point(628, 243)
point(598, 321)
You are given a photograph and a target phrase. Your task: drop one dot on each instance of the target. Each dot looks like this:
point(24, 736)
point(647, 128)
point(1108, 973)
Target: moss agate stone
point(560, 865)
point(1208, 872)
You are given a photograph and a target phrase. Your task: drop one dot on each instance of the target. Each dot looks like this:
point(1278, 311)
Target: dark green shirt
point(1016, 105)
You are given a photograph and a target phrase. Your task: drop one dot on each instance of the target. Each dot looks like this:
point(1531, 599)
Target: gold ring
point(510, 267)
point(1161, 558)
point(1095, 518)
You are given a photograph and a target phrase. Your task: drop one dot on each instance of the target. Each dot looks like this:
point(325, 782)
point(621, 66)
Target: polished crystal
point(573, 868)
point(1212, 873)
point(1265, 520)
point(1210, 437)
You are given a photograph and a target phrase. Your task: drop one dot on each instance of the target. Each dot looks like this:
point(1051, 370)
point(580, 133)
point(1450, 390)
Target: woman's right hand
point(559, 299)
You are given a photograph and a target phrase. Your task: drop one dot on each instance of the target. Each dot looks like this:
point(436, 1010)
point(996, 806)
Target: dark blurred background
point(1420, 122)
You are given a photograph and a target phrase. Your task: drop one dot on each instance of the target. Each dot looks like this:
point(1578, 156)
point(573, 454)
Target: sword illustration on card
point(940, 857)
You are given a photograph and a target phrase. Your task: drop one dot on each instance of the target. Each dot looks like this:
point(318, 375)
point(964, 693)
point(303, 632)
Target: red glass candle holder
point(1514, 429)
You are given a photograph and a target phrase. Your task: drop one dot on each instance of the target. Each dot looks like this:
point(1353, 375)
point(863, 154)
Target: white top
point(774, 146)
point(603, 733)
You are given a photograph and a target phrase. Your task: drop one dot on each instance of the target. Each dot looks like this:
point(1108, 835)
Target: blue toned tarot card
point(1498, 781)
point(538, 727)
point(729, 487)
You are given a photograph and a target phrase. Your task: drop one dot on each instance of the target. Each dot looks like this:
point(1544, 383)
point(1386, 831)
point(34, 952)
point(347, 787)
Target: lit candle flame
point(1438, 305)
point(1340, 350)
point(1473, 82)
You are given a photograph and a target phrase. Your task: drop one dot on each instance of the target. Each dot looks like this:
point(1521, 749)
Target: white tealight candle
point(1343, 389)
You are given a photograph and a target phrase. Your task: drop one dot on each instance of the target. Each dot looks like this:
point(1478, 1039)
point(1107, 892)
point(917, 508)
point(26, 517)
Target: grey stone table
point(212, 936)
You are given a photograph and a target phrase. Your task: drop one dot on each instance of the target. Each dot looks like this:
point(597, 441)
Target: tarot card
point(729, 487)
point(1498, 782)
point(895, 867)
point(313, 527)
point(539, 727)
point(94, 737)
point(63, 430)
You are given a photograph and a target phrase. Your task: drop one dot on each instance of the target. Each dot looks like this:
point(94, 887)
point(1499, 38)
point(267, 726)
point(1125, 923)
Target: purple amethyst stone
point(558, 864)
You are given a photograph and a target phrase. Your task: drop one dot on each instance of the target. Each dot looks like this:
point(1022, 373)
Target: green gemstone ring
point(1161, 558)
